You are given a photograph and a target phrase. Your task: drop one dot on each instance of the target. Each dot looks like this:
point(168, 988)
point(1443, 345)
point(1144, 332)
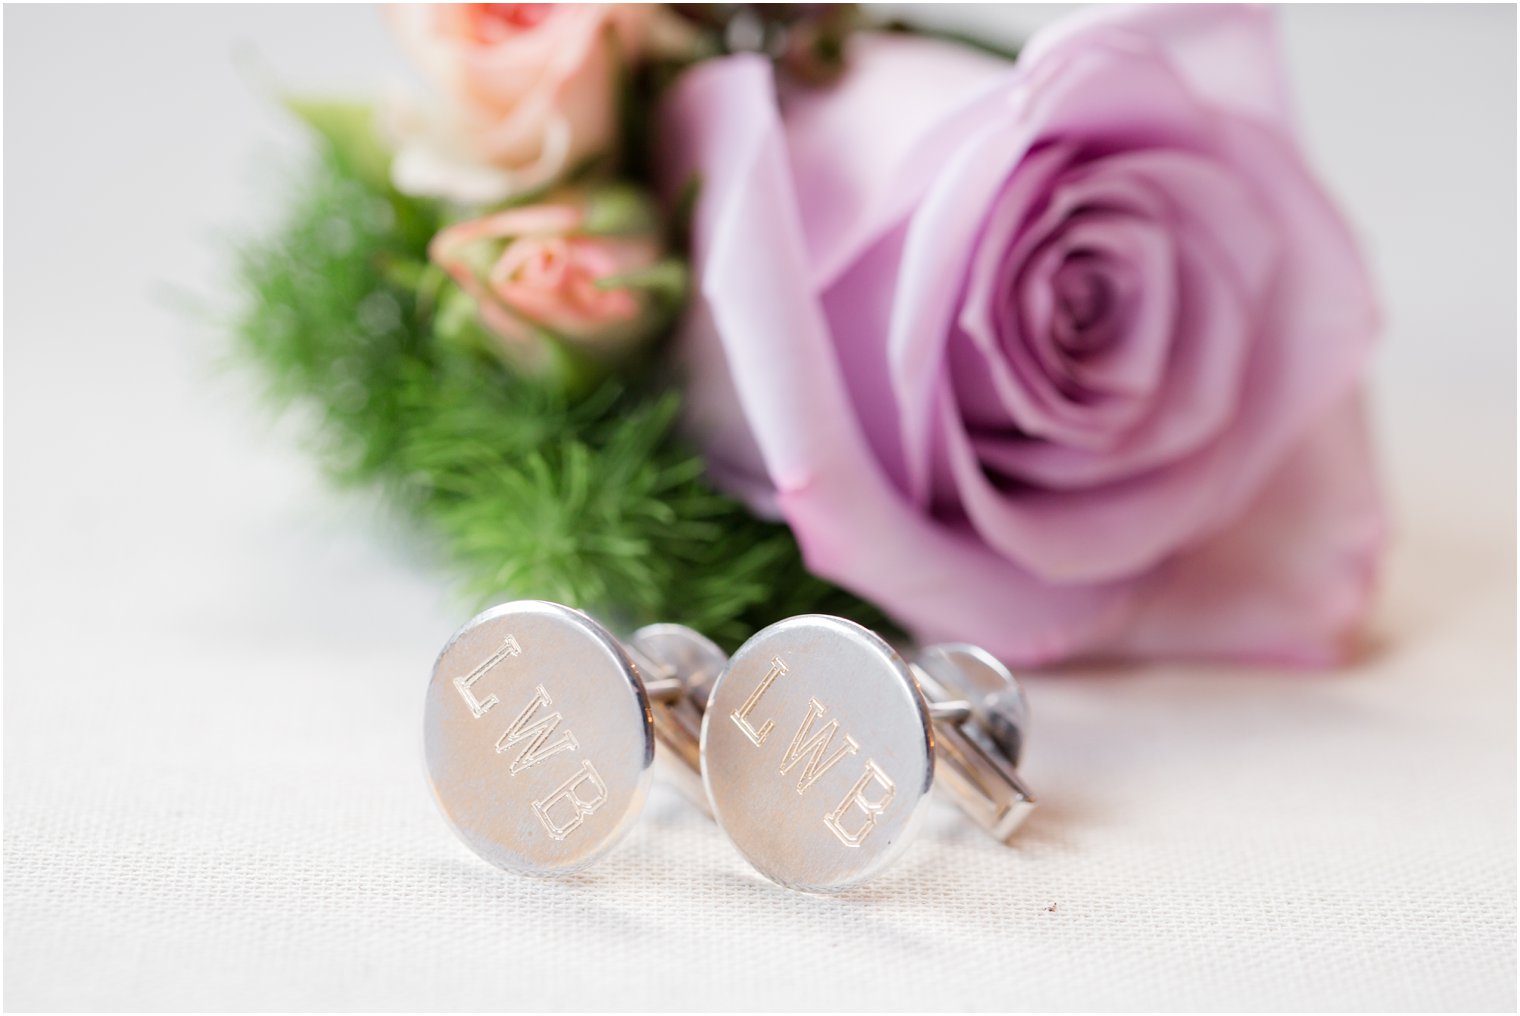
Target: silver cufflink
point(540, 730)
point(820, 744)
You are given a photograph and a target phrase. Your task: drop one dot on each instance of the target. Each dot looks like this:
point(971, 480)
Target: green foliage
point(588, 500)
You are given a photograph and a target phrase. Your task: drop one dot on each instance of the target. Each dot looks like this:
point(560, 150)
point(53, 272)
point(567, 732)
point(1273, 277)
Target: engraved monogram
point(538, 731)
point(740, 716)
point(856, 798)
point(568, 793)
point(479, 708)
point(815, 746)
point(567, 805)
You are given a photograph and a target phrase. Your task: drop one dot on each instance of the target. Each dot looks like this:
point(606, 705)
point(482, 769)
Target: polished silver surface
point(995, 699)
point(682, 653)
point(817, 752)
point(687, 663)
point(980, 718)
point(538, 737)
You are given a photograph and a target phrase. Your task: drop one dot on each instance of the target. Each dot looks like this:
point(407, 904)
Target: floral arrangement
point(722, 313)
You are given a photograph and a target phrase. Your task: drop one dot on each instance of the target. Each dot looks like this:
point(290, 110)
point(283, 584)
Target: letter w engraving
point(535, 734)
point(815, 746)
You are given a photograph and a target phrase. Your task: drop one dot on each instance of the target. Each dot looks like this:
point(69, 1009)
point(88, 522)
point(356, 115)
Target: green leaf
point(665, 280)
point(992, 47)
point(620, 210)
point(349, 129)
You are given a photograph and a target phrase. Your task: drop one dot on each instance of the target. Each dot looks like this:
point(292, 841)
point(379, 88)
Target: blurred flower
point(806, 40)
point(529, 93)
point(1061, 357)
point(582, 271)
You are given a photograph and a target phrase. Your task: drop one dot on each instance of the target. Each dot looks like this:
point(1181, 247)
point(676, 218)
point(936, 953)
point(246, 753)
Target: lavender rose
point(1061, 357)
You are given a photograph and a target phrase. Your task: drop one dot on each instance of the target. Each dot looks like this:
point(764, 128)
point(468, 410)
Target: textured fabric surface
point(214, 667)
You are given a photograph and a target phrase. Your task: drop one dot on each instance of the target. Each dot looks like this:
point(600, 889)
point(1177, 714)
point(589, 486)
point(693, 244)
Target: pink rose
point(569, 273)
point(1061, 357)
point(530, 92)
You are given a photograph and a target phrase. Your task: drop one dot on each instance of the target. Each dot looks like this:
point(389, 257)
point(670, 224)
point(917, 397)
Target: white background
point(214, 665)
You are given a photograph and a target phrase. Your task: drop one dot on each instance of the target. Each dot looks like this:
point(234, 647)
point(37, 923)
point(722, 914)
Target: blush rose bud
point(571, 285)
point(525, 94)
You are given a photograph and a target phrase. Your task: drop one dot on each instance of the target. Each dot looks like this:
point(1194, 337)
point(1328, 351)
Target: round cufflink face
point(538, 738)
point(817, 753)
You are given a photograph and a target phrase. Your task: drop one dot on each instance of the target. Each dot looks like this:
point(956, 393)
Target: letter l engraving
point(462, 684)
point(740, 716)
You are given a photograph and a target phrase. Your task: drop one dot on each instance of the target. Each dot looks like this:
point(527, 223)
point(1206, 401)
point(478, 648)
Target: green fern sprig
point(591, 500)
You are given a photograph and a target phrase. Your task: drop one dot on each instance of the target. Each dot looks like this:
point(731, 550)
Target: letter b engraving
point(857, 798)
point(563, 811)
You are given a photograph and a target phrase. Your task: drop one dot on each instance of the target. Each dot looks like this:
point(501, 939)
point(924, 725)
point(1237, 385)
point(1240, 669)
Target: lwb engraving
point(570, 803)
point(870, 803)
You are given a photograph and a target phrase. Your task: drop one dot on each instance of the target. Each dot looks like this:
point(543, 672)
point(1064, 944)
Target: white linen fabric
point(214, 671)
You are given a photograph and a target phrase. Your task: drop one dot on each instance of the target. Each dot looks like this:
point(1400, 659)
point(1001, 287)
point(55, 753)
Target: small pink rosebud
point(583, 271)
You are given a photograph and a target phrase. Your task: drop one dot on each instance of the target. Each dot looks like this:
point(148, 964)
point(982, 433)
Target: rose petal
point(1110, 103)
point(859, 321)
point(1228, 52)
point(1115, 345)
point(1292, 578)
point(1017, 351)
point(858, 175)
point(938, 248)
point(1230, 252)
point(1197, 398)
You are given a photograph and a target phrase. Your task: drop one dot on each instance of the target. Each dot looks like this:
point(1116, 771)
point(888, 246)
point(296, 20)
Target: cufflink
point(820, 743)
point(540, 730)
